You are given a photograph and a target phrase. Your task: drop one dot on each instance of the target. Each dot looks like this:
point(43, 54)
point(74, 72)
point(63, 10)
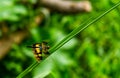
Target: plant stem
point(79, 29)
point(67, 38)
point(30, 68)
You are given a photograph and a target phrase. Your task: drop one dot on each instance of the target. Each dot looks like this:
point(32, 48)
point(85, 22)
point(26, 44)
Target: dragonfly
point(39, 49)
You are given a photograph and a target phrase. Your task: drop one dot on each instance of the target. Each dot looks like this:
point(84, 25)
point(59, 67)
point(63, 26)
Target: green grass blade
point(79, 29)
point(30, 68)
point(67, 38)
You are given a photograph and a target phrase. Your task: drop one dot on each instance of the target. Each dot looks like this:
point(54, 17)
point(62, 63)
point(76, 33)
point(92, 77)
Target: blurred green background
point(93, 53)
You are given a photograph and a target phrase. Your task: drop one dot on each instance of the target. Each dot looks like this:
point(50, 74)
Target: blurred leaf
point(11, 11)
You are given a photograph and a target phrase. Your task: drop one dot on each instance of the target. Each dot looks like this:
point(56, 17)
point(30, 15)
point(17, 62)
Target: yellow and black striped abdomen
point(37, 51)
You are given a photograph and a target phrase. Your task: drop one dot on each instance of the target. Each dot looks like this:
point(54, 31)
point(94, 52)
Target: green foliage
point(11, 11)
point(93, 53)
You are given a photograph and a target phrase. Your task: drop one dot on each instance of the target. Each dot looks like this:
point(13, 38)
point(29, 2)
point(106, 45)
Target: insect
point(39, 49)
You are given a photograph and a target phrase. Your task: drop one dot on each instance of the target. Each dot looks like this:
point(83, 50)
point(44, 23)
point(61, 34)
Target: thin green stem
point(79, 29)
point(30, 68)
point(67, 38)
